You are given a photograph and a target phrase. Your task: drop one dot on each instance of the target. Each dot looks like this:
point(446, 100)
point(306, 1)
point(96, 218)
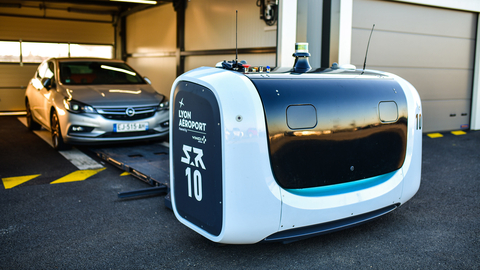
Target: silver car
point(93, 100)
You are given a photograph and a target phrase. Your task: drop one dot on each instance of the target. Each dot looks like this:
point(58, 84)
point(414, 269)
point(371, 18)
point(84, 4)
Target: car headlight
point(78, 107)
point(163, 106)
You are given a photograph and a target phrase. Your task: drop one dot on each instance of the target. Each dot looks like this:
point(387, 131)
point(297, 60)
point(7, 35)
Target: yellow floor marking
point(11, 182)
point(434, 135)
point(459, 132)
point(77, 176)
point(125, 174)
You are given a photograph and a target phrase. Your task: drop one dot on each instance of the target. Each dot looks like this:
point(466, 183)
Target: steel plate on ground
point(148, 162)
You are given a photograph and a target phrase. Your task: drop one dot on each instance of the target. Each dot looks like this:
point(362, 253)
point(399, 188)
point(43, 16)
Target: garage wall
point(57, 10)
point(151, 41)
point(267, 59)
point(210, 25)
point(13, 77)
point(432, 48)
point(160, 70)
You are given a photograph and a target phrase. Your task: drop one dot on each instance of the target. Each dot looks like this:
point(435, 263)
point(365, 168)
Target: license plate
point(129, 127)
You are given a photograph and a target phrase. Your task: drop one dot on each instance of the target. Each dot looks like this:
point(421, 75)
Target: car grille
point(120, 113)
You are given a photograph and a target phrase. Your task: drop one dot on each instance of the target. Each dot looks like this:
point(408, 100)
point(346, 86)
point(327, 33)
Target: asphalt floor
point(83, 225)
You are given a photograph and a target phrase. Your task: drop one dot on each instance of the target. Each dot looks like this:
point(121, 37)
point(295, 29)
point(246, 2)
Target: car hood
point(114, 95)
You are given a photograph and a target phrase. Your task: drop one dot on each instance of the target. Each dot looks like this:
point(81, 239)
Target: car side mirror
point(48, 83)
point(147, 80)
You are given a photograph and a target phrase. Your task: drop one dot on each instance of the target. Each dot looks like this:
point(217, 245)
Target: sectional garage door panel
point(14, 80)
point(457, 83)
point(432, 48)
point(415, 19)
point(443, 115)
point(13, 77)
point(396, 49)
point(18, 76)
point(48, 30)
point(12, 99)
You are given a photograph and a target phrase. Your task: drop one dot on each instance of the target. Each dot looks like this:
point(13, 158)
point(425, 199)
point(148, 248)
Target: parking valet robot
point(282, 156)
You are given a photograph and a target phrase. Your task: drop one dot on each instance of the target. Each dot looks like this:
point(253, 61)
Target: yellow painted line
point(434, 135)
point(77, 176)
point(125, 174)
point(11, 182)
point(459, 132)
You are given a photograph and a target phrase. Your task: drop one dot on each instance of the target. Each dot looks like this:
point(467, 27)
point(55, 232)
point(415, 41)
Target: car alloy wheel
point(31, 124)
point(57, 138)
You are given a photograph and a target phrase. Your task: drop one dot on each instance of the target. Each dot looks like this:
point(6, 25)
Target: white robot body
point(285, 156)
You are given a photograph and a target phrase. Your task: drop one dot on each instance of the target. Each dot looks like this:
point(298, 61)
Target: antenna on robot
point(366, 53)
point(236, 36)
point(234, 64)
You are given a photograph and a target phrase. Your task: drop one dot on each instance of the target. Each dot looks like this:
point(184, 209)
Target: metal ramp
point(147, 162)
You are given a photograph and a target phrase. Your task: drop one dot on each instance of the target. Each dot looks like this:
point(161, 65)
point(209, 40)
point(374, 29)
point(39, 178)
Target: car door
point(35, 97)
point(40, 100)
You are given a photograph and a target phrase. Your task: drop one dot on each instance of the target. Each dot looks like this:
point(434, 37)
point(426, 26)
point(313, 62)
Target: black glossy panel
point(197, 156)
point(349, 142)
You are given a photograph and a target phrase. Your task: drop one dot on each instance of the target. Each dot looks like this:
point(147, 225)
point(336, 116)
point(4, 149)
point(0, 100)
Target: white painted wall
point(287, 27)
point(309, 28)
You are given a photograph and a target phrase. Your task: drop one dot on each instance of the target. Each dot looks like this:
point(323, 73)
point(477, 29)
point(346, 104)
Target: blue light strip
point(343, 187)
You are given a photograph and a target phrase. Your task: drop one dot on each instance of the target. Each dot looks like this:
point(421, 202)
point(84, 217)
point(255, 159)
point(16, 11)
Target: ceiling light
point(137, 1)
point(119, 70)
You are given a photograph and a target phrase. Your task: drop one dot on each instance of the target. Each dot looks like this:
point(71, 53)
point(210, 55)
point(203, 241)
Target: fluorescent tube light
point(119, 70)
point(137, 1)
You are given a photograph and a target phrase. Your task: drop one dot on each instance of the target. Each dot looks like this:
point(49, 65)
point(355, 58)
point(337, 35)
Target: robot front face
point(282, 156)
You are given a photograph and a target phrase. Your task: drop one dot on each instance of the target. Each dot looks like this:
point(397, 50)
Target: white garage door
point(432, 48)
point(15, 77)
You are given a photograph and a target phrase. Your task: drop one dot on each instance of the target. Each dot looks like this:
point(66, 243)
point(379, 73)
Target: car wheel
point(57, 138)
point(31, 124)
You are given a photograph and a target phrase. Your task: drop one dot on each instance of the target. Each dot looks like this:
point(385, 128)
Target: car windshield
point(97, 72)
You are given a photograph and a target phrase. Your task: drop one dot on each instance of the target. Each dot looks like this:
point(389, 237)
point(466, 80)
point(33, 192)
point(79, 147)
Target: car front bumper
point(91, 128)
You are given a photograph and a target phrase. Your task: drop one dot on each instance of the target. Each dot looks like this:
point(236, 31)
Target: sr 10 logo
point(197, 176)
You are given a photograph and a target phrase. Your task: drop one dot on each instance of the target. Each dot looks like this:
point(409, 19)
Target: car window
point(45, 70)
point(98, 73)
point(41, 70)
point(50, 71)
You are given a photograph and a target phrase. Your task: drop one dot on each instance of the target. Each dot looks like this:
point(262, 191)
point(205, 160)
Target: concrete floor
point(82, 224)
